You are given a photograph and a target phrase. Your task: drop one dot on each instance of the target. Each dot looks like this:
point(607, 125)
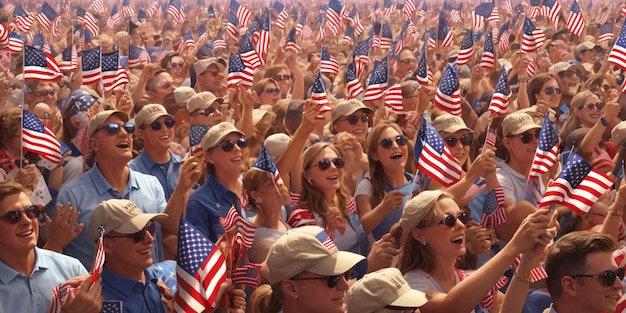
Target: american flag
point(152, 10)
point(423, 74)
point(97, 6)
point(249, 56)
point(328, 63)
point(98, 261)
point(265, 163)
point(374, 11)
point(325, 239)
point(617, 55)
point(202, 34)
point(431, 38)
point(353, 84)
point(318, 94)
point(448, 96)
point(433, 157)
point(578, 186)
point(494, 213)
point(40, 66)
point(7, 7)
point(388, 7)
point(38, 138)
point(378, 81)
point(176, 11)
point(188, 41)
point(348, 36)
point(408, 9)
point(503, 37)
point(127, 9)
point(4, 35)
point(605, 33)
point(501, 95)
point(262, 46)
point(196, 133)
point(374, 35)
point(361, 55)
point(243, 14)
point(386, 36)
point(137, 56)
point(142, 16)
point(16, 42)
point(91, 66)
point(113, 74)
point(480, 13)
point(114, 18)
point(356, 22)
point(219, 43)
point(211, 11)
point(282, 14)
point(233, 25)
point(575, 20)
point(508, 8)
point(56, 27)
point(239, 72)
point(86, 19)
point(535, 8)
point(112, 306)
point(47, 16)
point(59, 295)
point(547, 150)
point(200, 270)
point(443, 31)
point(22, 19)
point(551, 9)
point(247, 275)
point(466, 51)
point(533, 37)
point(301, 23)
point(234, 222)
point(487, 60)
point(393, 99)
point(455, 16)
point(333, 15)
point(530, 70)
point(291, 42)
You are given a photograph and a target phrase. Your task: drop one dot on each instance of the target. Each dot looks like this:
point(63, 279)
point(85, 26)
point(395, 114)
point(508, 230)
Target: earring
point(310, 181)
point(295, 298)
point(424, 242)
point(258, 201)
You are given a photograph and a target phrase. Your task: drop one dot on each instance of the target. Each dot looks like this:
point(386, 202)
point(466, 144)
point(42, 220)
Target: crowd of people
point(363, 192)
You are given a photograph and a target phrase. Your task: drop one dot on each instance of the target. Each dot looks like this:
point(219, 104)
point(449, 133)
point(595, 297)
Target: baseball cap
point(217, 133)
point(382, 289)
point(150, 113)
point(618, 134)
point(202, 100)
point(449, 123)
point(276, 144)
point(118, 215)
point(201, 66)
point(418, 208)
point(307, 248)
point(98, 119)
point(517, 123)
point(345, 108)
point(183, 94)
point(586, 45)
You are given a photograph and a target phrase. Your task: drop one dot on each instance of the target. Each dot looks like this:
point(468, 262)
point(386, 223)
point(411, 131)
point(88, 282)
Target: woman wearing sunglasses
point(432, 236)
point(287, 82)
point(586, 110)
point(267, 91)
point(351, 116)
point(176, 66)
point(543, 89)
point(602, 85)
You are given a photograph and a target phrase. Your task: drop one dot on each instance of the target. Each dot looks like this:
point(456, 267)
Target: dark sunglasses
point(331, 281)
point(179, 64)
point(606, 87)
point(607, 277)
point(353, 119)
point(551, 90)
point(156, 125)
point(450, 220)
point(208, 111)
point(213, 73)
point(569, 74)
point(140, 235)
point(598, 106)
point(408, 61)
point(282, 77)
point(466, 140)
point(386, 143)
point(14, 217)
point(114, 128)
point(527, 137)
point(270, 91)
point(43, 93)
point(229, 145)
point(324, 164)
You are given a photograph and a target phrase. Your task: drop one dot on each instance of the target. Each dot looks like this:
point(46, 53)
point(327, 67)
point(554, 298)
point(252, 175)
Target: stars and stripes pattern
point(38, 138)
point(333, 15)
point(281, 14)
point(386, 36)
point(98, 262)
point(328, 63)
point(4, 35)
point(547, 150)
point(290, 44)
point(433, 157)
point(408, 9)
point(393, 99)
point(551, 10)
point(353, 84)
point(175, 10)
point(97, 6)
point(503, 37)
point(348, 36)
point(46, 16)
point(239, 72)
point(244, 228)
point(233, 25)
point(301, 24)
point(423, 73)
point(113, 75)
point(246, 275)
point(466, 51)
point(22, 19)
point(325, 239)
point(501, 95)
point(188, 41)
point(533, 37)
point(318, 94)
point(388, 8)
point(605, 33)
point(114, 18)
point(356, 22)
point(535, 8)
point(203, 36)
point(421, 14)
point(443, 32)
point(531, 69)
point(378, 81)
point(265, 163)
point(480, 14)
point(87, 20)
point(16, 43)
point(249, 56)
point(196, 133)
point(127, 9)
point(431, 38)
point(40, 66)
point(137, 56)
point(200, 270)
point(578, 186)
point(91, 66)
point(448, 96)
point(575, 21)
point(508, 8)
point(494, 213)
point(617, 56)
point(487, 59)
point(262, 45)
point(243, 14)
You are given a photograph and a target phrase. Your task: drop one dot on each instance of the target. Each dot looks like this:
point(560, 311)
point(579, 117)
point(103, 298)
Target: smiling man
point(351, 116)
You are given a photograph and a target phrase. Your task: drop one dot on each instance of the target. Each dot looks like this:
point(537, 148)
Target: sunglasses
point(354, 119)
point(229, 145)
point(606, 87)
point(386, 143)
point(607, 277)
point(331, 281)
point(179, 64)
point(43, 93)
point(114, 128)
point(156, 125)
point(282, 77)
point(527, 137)
point(408, 61)
point(208, 111)
point(213, 73)
point(466, 140)
point(324, 164)
point(551, 90)
point(14, 217)
point(598, 106)
point(140, 235)
point(270, 91)
point(450, 220)
point(569, 74)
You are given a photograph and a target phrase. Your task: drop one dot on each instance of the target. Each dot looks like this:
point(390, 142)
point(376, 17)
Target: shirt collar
point(123, 284)
point(218, 189)
point(7, 274)
point(147, 160)
point(102, 185)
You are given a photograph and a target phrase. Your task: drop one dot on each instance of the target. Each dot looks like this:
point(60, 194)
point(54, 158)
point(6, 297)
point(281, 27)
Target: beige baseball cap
point(217, 133)
point(99, 119)
point(345, 108)
point(517, 123)
point(418, 208)
point(183, 94)
point(201, 66)
point(449, 123)
point(118, 215)
point(587, 45)
point(385, 288)
point(307, 248)
point(149, 114)
point(276, 144)
point(618, 134)
point(201, 101)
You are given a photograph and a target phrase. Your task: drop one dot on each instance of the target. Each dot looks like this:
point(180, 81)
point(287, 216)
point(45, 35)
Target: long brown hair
point(378, 179)
point(572, 122)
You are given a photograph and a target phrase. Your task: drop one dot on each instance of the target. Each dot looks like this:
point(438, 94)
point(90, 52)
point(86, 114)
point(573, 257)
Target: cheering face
point(315, 296)
point(590, 112)
point(272, 197)
point(284, 81)
point(270, 94)
point(522, 147)
point(212, 78)
point(164, 86)
point(19, 231)
point(45, 93)
point(459, 144)
point(110, 146)
point(324, 173)
point(391, 150)
point(210, 116)
point(175, 68)
point(550, 93)
point(355, 123)
point(229, 156)
point(130, 253)
point(158, 134)
point(445, 240)
point(406, 62)
point(590, 294)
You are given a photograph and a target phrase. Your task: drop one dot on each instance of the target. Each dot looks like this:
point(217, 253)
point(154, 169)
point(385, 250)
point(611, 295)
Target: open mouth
point(145, 251)
point(237, 159)
point(164, 137)
point(396, 156)
point(458, 239)
point(358, 132)
point(26, 233)
point(123, 145)
point(334, 177)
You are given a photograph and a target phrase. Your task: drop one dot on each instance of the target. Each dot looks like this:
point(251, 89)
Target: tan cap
point(276, 144)
point(217, 133)
point(149, 114)
point(201, 66)
point(201, 101)
point(418, 208)
point(118, 215)
point(587, 45)
point(98, 119)
point(345, 108)
point(183, 94)
point(449, 123)
point(381, 289)
point(559, 67)
point(517, 123)
point(307, 248)
point(618, 134)
point(257, 115)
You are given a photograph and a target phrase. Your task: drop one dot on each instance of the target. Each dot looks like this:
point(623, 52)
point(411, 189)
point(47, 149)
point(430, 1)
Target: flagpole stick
point(24, 88)
point(101, 82)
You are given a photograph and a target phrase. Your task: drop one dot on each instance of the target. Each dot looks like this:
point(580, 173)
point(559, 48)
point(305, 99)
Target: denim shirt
point(168, 178)
point(134, 296)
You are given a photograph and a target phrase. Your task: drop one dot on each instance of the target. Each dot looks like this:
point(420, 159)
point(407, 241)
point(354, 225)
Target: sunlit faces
point(355, 123)
point(21, 236)
point(212, 78)
point(175, 67)
point(590, 112)
point(210, 116)
point(569, 82)
point(591, 295)
point(522, 147)
point(444, 241)
point(112, 147)
point(131, 256)
point(393, 157)
point(164, 86)
point(159, 137)
point(316, 296)
point(45, 93)
point(284, 81)
point(270, 94)
point(406, 62)
point(459, 143)
point(231, 161)
point(270, 195)
point(550, 93)
point(328, 181)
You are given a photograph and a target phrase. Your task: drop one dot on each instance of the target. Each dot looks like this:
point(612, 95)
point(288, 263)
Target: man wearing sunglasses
point(159, 86)
point(583, 276)
point(351, 116)
point(210, 76)
point(204, 109)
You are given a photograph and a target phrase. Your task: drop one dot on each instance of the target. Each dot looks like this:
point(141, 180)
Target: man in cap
point(204, 108)
point(210, 74)
point(569, 76)
point(109, 134)
point(555, 49)
point(351, 116)
point(585, 54)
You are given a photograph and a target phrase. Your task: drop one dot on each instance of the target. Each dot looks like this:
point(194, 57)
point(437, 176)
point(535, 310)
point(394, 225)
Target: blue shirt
point(167, 175)
point(20, 293)
point(135, 296)
point(87, 191)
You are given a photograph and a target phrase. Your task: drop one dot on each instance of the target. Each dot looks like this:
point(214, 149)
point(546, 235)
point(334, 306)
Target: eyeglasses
point(270, 91)
point(282, 77)
point(179, 64)
point(466, 140)
point(450, 220)
point(598, 106)
point(354, 119)
point(408, 61)
point(208, 111)
point(401, 140)
point(331, 281)
point(114, 128)
point(140, 235)
point(14, 217)
point(607, 278)
point(156, 125)
point(527, 137)
point(324, 164)
point(607, 87)
point(229, 145)
point(551, 90)
point(213, 73)
point(569, 74)
point(43, 93)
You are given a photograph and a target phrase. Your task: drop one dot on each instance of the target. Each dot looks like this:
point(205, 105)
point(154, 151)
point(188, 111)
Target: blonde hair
point(378, 179)
point(572, 122)
point(266, 299)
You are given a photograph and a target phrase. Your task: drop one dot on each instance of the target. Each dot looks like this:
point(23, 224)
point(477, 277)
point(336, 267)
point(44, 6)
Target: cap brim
point(412, 299)
point(336, 264)
point(526, 128)
point(136, 223)
point(150, 120)
point(456, 128)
